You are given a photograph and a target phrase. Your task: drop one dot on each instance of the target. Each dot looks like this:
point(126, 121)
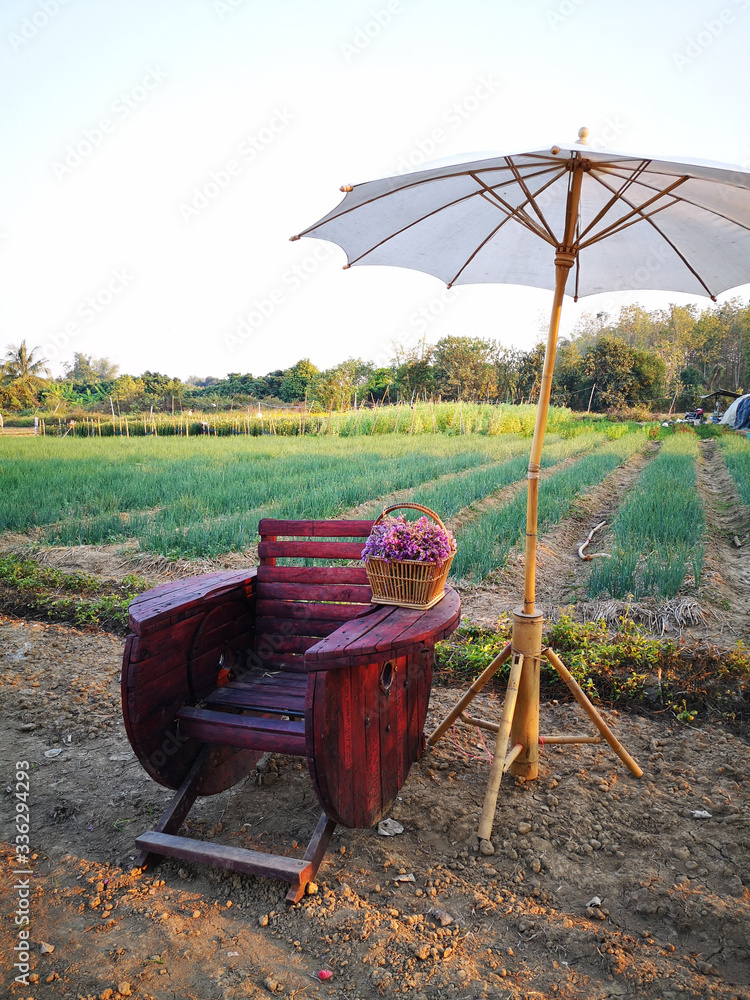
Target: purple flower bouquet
point(396, 539)
point(407, 562)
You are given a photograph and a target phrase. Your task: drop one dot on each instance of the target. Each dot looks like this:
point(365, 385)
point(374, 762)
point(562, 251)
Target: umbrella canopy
point(642, 223)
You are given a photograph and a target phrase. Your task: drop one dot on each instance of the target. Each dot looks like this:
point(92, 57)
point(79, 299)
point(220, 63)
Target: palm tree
point(21, 376)
point(24, 365)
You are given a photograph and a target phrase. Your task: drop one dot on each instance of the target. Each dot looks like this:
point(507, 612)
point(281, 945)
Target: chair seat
point(283, 694)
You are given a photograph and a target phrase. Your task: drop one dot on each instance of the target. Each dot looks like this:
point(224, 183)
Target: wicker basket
point(407, 583)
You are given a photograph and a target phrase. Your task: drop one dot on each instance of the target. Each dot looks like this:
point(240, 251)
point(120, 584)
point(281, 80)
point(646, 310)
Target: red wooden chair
point(287, 659)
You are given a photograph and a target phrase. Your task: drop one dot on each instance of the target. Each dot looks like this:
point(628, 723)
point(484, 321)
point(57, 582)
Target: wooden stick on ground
point(592, 555)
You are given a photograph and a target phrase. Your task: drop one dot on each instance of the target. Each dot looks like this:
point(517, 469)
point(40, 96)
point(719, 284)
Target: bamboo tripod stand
point(519, 722)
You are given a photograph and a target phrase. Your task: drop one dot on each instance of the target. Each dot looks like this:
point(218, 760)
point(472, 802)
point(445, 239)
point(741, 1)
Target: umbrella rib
point(649, 219)
point(405, 187)
point(484, 190)
point(616, 195)
point(414, 222)
point(481, 246)
point(530, 197)
point(490, 192)
point(517, 213)
point(492, 198)
point(618, 224)
point(701, 208)
point(556, 176)
point(634, 221)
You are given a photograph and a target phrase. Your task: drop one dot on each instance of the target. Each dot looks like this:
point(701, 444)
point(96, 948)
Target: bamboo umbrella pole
point(564, 260)
point(527, 624)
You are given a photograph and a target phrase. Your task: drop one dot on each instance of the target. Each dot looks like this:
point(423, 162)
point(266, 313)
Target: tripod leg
point(473, 691)
point(501, 748)
point(592, 713)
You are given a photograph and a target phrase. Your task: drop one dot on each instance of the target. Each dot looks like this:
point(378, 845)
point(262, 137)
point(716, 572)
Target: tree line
point(657, 359)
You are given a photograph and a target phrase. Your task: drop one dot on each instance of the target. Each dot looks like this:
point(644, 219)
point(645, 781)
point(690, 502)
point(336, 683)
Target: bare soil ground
point(601, 885)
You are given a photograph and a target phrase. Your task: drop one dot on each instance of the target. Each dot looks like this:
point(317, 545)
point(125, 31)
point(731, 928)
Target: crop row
point(658, 529)
point(195, 525)
point(485, 543)
point(206, 498)
point(450, 494)
point(736, 452)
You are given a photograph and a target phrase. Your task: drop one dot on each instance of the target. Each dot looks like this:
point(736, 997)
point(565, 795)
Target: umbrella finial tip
point(583, 136)
point(346, 188)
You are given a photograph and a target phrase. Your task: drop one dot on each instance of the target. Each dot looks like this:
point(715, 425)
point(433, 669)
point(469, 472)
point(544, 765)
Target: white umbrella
point(616, 221)
point(630, 222)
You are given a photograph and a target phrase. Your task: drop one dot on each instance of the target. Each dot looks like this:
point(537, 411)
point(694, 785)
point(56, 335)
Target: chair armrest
point(383, 631)
point(178, 597)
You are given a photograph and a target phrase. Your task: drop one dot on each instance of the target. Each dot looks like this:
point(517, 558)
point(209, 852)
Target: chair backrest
point(299, 604)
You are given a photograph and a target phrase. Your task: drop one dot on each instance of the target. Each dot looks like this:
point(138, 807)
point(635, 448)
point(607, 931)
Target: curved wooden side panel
point(184, 634)
point(364, 729)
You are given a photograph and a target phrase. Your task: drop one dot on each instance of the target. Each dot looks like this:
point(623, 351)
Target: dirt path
point(667, 858)
point(728, 518)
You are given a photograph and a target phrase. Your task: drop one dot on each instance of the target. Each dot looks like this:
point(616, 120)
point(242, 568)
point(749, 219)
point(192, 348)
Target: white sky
point(118, 112)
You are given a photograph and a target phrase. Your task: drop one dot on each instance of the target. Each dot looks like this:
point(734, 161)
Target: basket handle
point(412, 506)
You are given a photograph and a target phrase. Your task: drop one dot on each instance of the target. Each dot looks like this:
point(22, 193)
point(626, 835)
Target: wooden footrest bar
point(249, 732)
point(239, 859)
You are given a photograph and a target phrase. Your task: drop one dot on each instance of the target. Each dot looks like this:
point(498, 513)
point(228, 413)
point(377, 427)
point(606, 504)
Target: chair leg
point(314, 854)
point(175, 813)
